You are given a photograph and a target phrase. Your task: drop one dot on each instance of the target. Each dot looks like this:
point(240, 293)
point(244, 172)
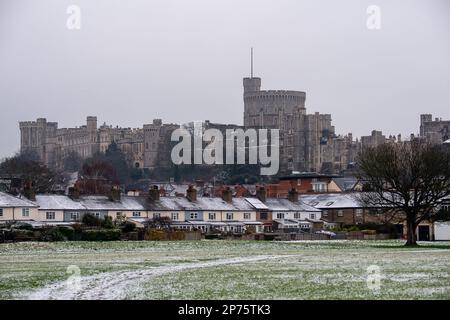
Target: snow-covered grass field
point(225, 270)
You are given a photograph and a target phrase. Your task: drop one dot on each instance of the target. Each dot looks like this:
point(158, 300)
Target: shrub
point(101, 235)
point(23, 226)
point(51, 234)
point(67, 232)
point(128, 227)
point(108, 223)
point(24, 235)
point(90, 220)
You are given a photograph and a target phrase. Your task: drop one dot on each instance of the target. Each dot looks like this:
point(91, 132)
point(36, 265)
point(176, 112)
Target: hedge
point(101, 235)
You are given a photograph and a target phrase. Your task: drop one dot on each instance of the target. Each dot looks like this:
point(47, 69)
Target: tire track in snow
point(116, 285)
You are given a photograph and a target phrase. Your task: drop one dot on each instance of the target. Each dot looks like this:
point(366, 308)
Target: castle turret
point(252, 85)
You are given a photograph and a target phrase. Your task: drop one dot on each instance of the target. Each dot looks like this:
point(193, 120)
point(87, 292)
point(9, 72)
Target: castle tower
point(252, 84)
point(92, 132)
point(424, 118)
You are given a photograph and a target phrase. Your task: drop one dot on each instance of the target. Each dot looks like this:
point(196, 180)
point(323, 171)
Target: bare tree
point(410, 178)
point(158, 223)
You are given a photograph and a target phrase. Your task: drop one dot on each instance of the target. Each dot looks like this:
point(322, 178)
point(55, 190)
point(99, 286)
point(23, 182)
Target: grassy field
point(225, 270)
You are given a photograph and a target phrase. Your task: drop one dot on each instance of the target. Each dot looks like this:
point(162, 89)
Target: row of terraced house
point(258, 214)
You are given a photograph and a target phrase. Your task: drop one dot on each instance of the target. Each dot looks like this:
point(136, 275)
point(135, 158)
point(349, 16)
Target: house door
point(424, 233)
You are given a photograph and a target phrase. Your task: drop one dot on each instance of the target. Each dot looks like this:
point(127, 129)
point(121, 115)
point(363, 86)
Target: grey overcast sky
point(183, 60)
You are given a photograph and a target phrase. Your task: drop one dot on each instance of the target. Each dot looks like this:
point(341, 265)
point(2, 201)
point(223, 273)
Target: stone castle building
point(143, 147)
point(435, 131)
point(308, 142)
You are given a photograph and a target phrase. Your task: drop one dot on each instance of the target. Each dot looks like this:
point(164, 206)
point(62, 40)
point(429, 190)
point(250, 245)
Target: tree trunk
point(411, 239)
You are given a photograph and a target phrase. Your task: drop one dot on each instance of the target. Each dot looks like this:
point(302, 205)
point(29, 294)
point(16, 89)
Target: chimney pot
point(153, 193)
point(227, 195)
point(191, 193)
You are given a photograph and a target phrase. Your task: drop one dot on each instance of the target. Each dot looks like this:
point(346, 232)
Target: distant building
point(375, 139)
point(307, 141)
point(434, 131)
point(143, 147)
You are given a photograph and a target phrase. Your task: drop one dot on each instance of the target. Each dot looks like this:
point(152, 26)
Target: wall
point(59, 215)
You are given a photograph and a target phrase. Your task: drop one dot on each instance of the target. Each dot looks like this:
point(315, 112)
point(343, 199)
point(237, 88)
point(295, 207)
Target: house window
point(97, 215)
point(136, 213)
point(174, 216)
point(319, 187)
point(1, 212)
point(359, 212)
point(325, 213)
point(193, 215)
point(25, 212)
point(212, 216)
point(156, 215)
point(297, 215)
point(50, 215)
point(263, 215)
point(246, 215)
point(340, 213)
point(229, 216)
point(312, 216)
point(74, 216)
point(280, 215)
point(118, 214)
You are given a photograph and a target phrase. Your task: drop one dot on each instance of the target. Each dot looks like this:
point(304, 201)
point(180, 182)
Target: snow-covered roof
point(201, 204)
point(331, 200)
point(280, 204)
point(57, 202)
point(9, 201)
point(126, 203)
point(257, 204)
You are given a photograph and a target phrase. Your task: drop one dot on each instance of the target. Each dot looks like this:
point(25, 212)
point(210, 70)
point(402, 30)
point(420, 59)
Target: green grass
point(300, 270)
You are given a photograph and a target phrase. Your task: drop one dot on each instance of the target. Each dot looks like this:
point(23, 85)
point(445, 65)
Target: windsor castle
point(308, 142)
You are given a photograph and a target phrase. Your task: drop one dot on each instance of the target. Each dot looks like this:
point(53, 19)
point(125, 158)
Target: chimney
point(293, 195)
point(74, 193)
point(191, 193)
point(114, 195)
point(153, 193)
point(261, 194)
point(227, 195)
point(28, 191)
